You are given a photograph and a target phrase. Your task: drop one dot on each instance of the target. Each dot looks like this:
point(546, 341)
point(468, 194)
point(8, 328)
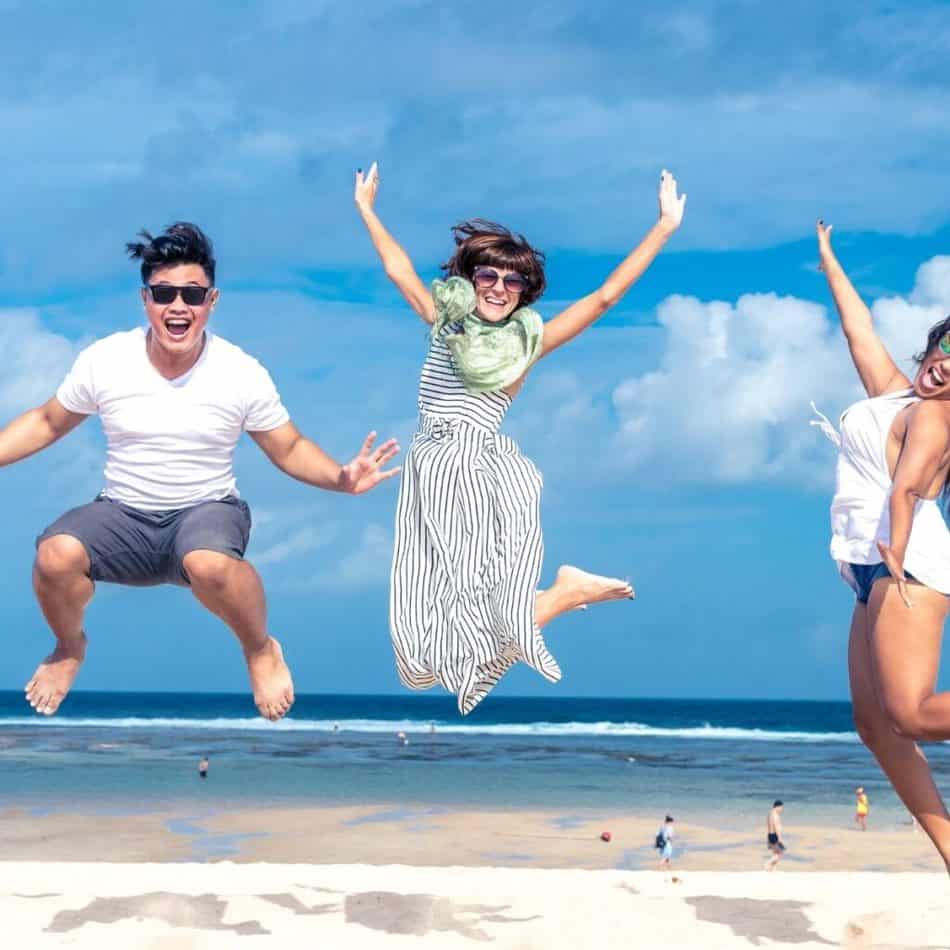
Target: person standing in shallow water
point(773, 835)
point(892, 547)
point(464, 598)
point(174, 399)
point(203, 766)
point(664, 843)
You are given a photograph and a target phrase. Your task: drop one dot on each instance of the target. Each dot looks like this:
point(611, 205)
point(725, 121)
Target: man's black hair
point(180, 243)
point(777, 803)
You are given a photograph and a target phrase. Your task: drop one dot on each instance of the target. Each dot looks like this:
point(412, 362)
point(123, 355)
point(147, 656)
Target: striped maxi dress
point(468, 549)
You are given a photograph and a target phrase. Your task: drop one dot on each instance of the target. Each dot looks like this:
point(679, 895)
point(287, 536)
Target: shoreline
point(441, 836)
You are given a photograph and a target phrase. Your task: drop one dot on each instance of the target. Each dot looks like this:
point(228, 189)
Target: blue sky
point(674, 437)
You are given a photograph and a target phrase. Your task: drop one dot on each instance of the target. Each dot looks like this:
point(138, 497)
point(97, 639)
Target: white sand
point(177, 906)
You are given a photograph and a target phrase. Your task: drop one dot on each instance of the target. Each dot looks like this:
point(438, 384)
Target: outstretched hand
point(366, 470)
point(672, 205)
point(896, 567)
point(364, 194)
point(824, 241)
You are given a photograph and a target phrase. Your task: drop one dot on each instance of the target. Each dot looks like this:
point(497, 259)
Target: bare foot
point(54, 676)
point(270, 680)
point(592, 588)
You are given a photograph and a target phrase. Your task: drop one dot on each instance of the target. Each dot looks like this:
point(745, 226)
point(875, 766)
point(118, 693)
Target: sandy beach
point(389, 876)
point(355, 906)
point(329, 833)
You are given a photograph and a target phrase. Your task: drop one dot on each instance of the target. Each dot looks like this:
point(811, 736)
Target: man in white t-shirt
point(174, 400)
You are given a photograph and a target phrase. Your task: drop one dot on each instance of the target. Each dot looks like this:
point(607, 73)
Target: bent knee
point(59, 556)
point(207, 569)
point(906, 723)
point(904, 717)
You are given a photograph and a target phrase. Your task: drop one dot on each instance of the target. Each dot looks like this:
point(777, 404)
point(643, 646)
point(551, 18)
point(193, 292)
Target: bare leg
point(63, 588)
point(573, 588)
point(905, 652)
point(232, 590)
point(900, 757)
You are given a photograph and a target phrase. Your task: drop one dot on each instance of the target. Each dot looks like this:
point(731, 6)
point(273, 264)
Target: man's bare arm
point(36, 430)
point(301, 458)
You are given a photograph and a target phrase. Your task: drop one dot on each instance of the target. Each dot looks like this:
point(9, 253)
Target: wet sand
point(430, 836)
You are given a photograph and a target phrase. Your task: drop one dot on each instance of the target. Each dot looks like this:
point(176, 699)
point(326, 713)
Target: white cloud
point(366, 565)
point(35, 360)
point(300, 542)
point(729, 401)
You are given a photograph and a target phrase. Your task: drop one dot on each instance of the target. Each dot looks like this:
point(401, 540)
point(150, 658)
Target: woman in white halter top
point(892, 545)
point(464, 598)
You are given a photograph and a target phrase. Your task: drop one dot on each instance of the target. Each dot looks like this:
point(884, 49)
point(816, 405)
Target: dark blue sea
point(132, 751)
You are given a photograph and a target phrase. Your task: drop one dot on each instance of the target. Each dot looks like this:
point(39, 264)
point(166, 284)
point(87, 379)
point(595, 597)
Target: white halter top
point(860, 511)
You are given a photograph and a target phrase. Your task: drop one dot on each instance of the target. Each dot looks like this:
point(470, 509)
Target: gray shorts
point(143, 548)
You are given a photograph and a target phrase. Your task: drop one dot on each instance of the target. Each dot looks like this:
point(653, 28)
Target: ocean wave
point(415, 726)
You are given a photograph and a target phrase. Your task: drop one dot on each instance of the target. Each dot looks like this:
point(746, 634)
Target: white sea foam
point(409, 726)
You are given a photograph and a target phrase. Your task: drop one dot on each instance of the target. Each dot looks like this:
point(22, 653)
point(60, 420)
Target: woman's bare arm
point(879, 373)
point(395, 260)
point(925, 451)
point(580, 315)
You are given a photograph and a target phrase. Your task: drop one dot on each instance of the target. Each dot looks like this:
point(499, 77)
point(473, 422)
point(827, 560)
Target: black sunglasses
point(485, 277)
point(191, 295)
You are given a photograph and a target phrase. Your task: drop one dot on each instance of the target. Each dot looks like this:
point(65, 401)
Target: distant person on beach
point(773, 835)
point(203, 767)
point(892, 545)
point(465, 603)
point(174, 399)
point(664, 843)
point(861, 809)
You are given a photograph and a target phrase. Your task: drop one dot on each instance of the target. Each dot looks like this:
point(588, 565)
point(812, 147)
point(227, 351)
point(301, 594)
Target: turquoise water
point(122, 751)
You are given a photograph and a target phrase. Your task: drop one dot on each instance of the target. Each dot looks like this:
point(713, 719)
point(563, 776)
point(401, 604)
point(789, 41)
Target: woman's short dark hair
point(484, 243)
point(180, 243)
point(933, 338)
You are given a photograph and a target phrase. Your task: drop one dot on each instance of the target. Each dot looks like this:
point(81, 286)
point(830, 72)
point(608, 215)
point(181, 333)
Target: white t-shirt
point(171, 441)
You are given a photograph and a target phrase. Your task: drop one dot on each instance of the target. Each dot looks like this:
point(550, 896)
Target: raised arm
point(579, 316)
point(303, 459)
point(395, 260)
point(879, 373)
point(35, 430)
point(926, 451)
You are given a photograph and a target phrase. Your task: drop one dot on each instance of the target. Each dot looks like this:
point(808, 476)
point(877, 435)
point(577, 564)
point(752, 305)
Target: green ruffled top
point(487, 356)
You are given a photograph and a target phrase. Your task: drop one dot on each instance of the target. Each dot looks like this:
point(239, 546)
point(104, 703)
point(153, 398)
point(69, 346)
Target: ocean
point(719, 760)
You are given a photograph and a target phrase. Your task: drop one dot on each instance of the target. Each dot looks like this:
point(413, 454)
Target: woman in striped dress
point(464, 598)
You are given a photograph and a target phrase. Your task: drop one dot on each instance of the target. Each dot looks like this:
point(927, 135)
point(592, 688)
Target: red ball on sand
point(605, 836)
